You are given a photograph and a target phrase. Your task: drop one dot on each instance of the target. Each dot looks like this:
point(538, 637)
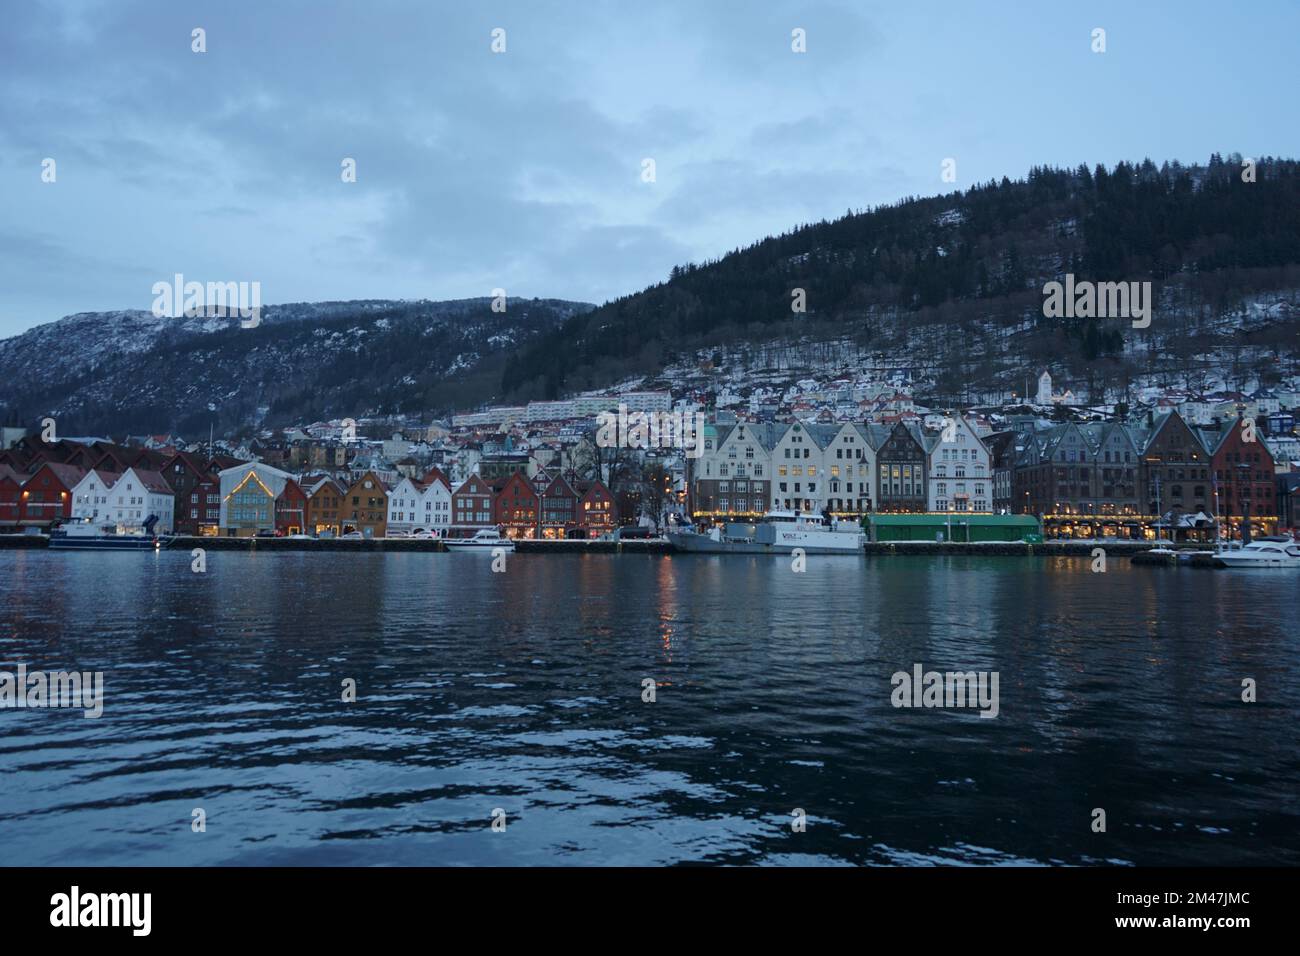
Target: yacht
point(1263, 554)
point(485, 540)
point(777, 532)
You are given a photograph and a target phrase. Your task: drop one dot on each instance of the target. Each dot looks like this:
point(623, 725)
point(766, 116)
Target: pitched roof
point(69, 475)
point(153, 481)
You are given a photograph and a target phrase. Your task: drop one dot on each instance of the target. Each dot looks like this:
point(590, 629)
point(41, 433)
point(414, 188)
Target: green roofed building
point(952, 526)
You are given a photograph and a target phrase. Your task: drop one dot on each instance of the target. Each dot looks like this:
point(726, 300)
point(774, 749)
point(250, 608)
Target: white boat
point(86, 536)
point(1263, 554)
point(485, 540)
point(777, 532)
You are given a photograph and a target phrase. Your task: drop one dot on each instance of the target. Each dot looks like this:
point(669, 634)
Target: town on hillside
point(1177, 467)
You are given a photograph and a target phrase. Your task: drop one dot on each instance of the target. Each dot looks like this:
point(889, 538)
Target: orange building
point(365, 507)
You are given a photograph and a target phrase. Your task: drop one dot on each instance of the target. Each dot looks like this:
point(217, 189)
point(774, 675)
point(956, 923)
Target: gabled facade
point(597, 514)
point(1114, 485)
point(960, 469)
point(560, 504)
point(248, 494)
point(291, 509)
point(800, 479)
point(472, 507)
point(733, 476)
point(185, 474)
point(1245, 476)
point(1175, 472)
point(325, 508)
point(404, 509)
point(516, 506)
point(850, 463)
point(11, 489)
point(365, 506)
point(46, 496)
point(901, 460)
point(90, 496)
point(435, 510)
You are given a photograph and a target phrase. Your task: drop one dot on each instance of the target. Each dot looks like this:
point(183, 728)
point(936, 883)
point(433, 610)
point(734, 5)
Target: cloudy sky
point(523, 169)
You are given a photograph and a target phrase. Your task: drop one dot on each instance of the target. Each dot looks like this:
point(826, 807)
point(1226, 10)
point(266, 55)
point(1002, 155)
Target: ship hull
point(809, 543)
point(106, 543)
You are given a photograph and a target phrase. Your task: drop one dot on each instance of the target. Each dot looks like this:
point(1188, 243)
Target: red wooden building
point(516, 506)
point(561, 509)
point(291, 509)
point(598, 515)
point(1245, 479)
point(472, 508)
point(47, 495)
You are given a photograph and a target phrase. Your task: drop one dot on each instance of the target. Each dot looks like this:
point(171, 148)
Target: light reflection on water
point(523, 691)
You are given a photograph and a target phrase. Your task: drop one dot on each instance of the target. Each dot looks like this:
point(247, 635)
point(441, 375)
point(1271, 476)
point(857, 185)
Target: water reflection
point(523, 690)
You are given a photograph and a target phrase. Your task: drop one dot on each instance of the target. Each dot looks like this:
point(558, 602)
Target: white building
point(126, 500)
point(1044, 388)
point(960, 472)
point(90, 496)
point(423, 504)
point(800, 480)
point(850, 466)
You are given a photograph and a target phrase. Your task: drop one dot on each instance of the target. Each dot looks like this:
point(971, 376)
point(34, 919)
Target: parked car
point(396, 534)
point(266, 533)
point(353, 536)
point(421, 533)
point(632, 531)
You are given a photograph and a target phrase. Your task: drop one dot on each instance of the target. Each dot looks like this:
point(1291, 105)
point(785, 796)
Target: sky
point(525, 169)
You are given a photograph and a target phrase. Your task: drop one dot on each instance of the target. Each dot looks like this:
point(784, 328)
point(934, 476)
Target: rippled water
point(522, 691)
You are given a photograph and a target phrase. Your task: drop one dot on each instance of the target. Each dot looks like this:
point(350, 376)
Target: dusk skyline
point(523, 170)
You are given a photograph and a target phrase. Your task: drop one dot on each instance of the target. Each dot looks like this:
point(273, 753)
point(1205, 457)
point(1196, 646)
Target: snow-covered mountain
point(133, 371)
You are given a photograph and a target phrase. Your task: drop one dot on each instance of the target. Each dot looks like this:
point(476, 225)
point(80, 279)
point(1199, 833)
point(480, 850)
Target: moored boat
point(1262, 554)
point(777, 532)
point(485, 540)
point(84, 536)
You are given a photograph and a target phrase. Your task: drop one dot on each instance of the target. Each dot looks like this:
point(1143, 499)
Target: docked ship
point(85, 536)
point(777, 532)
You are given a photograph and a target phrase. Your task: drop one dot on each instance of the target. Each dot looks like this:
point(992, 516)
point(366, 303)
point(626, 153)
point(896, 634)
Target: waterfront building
point(951, 526)
point(597, 514)
point(1174, 473)
point(734, 474)
point(960, 469)
point(516, 506)
point(194, 512)
point(325, 507)
point(11, 488)
point(434, 514)
point(901, 458)
point(799, 482)
point(849, 461)
point(404, 502)
point(47, 495)
point(128, 500)
point(248, 494)
point(365, 506)
point(1244, 478)
point(471, 507)
point(559, 509)
point(291, 509)
point(90, 496)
